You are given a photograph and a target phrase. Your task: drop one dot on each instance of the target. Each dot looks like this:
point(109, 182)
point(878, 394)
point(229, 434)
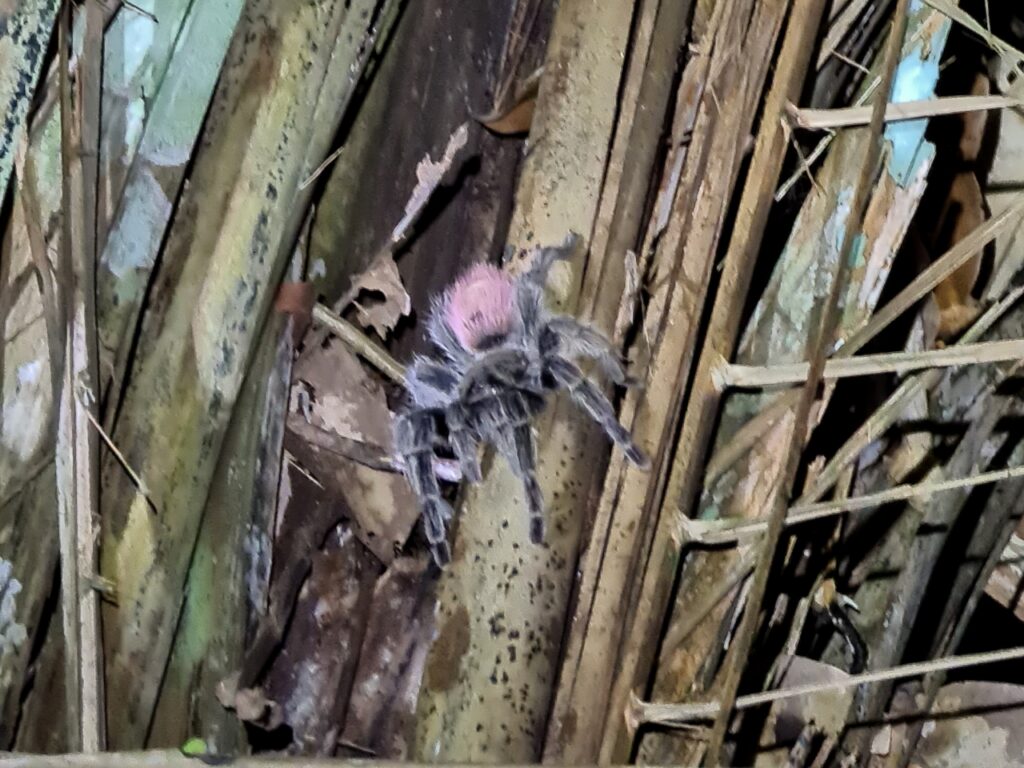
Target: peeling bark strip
point(503, 601)
point(25, 29)
point(277, 106)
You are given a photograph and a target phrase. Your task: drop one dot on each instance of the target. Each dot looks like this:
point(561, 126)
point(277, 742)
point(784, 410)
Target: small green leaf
point(194, 747)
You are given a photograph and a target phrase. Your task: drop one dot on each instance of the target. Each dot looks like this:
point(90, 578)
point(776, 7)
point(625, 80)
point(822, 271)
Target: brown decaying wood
point(769, 152)
point(77, 439)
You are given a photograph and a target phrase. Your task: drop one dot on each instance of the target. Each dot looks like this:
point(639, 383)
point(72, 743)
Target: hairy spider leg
point(415, 438)
point(530, 287)
point(463, 442)
point(578, 340)
point(585, 394)
point(506, 422)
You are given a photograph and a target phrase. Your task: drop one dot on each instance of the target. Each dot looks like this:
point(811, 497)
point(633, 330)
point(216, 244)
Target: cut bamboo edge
point(729, 375)
point(683, 715)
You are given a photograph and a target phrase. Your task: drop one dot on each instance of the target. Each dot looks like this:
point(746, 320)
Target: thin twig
point(138, 481)
point(924, 283)
point(896, 404)
point(846, 117)
point(321, 168)
point(674, 715)
point(717, 532)
point(357, 341)
point(757, 376)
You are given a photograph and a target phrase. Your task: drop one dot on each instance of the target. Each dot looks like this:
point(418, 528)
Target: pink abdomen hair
point(479, 305)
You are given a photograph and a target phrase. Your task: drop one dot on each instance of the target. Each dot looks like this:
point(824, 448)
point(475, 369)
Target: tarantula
point(502, 353)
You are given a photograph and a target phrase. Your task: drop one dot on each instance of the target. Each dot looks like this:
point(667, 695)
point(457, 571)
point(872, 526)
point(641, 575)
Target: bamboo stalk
point(846, 117)
point(77, 442)
point(638, 655)
point(825, 328)
point(751, 376)
point(574, 731)
point(676, 715)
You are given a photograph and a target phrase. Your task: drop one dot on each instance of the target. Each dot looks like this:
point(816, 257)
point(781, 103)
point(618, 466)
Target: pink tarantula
point(502, 353)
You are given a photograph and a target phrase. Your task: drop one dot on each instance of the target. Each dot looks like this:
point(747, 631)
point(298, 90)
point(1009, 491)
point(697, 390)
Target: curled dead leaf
point(379, 296)
point(514, 115)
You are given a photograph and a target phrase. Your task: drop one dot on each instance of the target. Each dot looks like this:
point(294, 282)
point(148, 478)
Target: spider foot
point(537, 530)
point(635, 455)
point(441, 553)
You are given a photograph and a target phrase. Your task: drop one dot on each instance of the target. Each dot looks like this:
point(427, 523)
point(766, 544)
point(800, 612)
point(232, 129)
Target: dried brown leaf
point(381, 279)
point(342, 399)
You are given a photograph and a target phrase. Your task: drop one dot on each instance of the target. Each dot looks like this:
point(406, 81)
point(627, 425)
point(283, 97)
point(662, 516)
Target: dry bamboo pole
point(718, 532)
point(77, 439)
point(825, 328)
point(470, 669)
point(845, 117)
point(761, 377)
point(574, 728)
point(769, 152)
point(678, 715)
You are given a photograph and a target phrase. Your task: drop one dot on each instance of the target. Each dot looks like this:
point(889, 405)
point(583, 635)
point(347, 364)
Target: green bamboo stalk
point(275, 111)
point(27, 25)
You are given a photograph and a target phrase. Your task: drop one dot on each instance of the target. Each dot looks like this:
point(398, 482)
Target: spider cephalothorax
point(503, 353)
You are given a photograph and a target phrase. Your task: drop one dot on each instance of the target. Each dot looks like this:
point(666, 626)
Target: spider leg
point(463, 442)
point(503, 420)
point(523, 458)
point(581, 340)
point(530, 288)
point(590, 398)
point(415, 436)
